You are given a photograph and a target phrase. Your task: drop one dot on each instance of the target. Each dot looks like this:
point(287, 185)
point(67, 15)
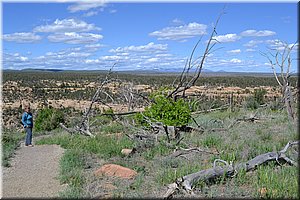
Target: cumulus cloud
point(227, 38)
point(253, 43)
point(84, 6)
point(180, 32)
point(250, 50)
point(150, 47)
point(66, 25)
point(280, 46)
point(75, 38)
point(236, 51)
point(255, 33)
point(22, 37)
point(93, 47)
point(91, 13)
point(235, 60)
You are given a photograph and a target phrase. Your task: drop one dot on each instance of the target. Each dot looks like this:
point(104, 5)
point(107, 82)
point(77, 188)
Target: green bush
point(48, 119)
point(251, 103)
point(259, 95)
point(167, 111)
point(257, 99)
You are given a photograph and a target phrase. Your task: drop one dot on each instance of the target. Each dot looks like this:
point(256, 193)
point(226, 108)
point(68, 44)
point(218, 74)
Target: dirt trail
point(34, 172)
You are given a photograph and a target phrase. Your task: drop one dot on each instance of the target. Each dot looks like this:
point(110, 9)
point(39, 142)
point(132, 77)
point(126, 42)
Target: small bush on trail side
point(48, 119)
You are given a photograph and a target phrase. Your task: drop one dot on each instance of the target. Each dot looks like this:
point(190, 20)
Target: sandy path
point(34, 172)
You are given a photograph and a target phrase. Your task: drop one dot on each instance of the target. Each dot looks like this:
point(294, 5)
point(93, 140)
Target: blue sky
point(136, 36)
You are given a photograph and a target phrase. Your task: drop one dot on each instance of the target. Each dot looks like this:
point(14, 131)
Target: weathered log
point(187, 182)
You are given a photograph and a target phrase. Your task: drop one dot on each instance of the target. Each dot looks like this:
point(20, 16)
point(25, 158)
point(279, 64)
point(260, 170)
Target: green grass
point(101, 145)
point(10, 142)
point(71, 173)
point(242, 142)
point(279, 182)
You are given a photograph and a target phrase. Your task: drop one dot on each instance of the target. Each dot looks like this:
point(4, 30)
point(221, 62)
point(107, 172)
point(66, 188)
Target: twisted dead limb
point(84, 126)
point(187, 182)
point(185, 81)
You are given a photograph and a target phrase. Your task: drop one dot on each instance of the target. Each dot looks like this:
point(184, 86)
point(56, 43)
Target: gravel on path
point(34, 173)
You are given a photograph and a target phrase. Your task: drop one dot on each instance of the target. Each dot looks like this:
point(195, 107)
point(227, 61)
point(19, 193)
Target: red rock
point(115, 170)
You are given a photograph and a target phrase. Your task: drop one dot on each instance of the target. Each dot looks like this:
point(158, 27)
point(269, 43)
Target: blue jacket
point(27, 119)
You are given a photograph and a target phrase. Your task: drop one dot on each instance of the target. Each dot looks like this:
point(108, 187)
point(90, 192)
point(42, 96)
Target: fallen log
point(187, 182)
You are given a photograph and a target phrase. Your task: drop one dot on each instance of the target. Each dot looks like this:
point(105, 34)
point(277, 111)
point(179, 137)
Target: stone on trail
point(115, 170)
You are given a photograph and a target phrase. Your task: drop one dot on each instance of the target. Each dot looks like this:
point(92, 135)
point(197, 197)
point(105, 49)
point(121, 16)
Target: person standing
point(27, 121)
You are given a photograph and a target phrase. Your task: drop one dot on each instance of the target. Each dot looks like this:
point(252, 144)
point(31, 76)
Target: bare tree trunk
point(288, 99)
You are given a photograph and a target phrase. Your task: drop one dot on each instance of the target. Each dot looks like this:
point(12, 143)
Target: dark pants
point(28, 138)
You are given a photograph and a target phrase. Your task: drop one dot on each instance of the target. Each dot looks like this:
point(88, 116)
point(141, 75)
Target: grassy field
point(242, 142)
point(155, 168)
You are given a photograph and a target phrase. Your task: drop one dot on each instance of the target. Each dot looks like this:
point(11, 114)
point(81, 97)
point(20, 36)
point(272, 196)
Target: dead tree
point(282, 60)
point(127, 93)
point(187, 183)
point(84, 126)
point(185, 80)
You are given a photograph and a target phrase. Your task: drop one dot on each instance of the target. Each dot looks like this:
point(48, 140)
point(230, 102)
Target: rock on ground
point(115, 170)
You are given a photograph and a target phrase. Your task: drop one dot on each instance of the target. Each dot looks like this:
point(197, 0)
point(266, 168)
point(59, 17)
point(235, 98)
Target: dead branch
point(211, 110)
point(183, 151)
point(282, 59)
point(84, 125)
point(119, 114)
point(185, 81)
point(187, 182)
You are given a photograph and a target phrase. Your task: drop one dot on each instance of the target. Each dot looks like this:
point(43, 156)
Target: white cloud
point(75, 38)
point(180, 32)
point(22, 37)
point(253, 43)
point(150, 47)
point(250, 50)
point(234, 51)
point(93, 47)
point(177, 22)
point(113, 58)
point(90, 13)
point(113, 11)
point(268, 64)
point(235, 60)
point(279, 45)
point(84, 6)
point(152, 60)
point(255, 33)
point(66, 25)
point(227, 38)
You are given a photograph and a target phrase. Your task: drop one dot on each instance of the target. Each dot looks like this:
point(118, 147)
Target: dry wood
point(185, 80)
point(211, 110)
point(183, 151)
point(187, 182)
point(283, 60)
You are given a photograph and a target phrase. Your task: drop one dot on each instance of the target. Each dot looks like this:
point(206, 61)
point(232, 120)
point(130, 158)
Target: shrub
point(257, 99)
point(259, 95)
point(251, 103)
point(48, 119)
point(167, 111)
